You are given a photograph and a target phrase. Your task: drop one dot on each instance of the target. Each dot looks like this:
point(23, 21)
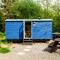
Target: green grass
point(4, 50)
point(3, 41)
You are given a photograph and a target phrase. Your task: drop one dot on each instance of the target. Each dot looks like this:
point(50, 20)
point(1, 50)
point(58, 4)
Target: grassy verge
point(4, 50)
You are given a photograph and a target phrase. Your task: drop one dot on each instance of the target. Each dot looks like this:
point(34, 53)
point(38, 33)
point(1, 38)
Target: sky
point(52, 1)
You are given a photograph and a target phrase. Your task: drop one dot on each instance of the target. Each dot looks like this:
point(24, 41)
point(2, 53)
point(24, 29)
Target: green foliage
point(26, 9)
point(1, 15)
point(56, 23)
point(1, 21)
point(4, 50)
point(47, 14)
point(3, 44)
point(2, 38)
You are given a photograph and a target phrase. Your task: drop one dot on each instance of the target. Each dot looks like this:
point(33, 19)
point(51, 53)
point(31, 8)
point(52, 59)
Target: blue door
point(41, 30)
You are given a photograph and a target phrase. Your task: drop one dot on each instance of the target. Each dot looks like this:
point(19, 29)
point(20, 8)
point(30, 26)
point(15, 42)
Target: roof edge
point(28, 20)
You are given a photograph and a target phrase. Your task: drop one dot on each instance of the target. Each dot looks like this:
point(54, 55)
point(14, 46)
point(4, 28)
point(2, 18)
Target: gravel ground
point(30, 52)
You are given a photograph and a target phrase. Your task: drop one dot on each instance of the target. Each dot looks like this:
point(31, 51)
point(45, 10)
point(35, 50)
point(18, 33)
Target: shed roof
point(28, 20)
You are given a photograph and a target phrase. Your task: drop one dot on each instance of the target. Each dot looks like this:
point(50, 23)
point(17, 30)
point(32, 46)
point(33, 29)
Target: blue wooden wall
point(42, 30)
point(14, 30)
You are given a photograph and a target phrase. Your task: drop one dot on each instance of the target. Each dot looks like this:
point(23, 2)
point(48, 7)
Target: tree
point(56, 9)
point(26, 9)
point(4, 12)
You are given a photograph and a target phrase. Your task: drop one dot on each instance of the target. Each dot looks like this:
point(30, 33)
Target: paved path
point(30, 52)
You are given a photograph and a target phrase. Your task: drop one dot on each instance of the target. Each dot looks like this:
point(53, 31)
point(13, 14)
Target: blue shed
point(28, 29)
